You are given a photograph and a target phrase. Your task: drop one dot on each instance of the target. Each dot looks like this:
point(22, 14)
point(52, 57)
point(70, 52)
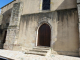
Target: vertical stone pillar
point(13, 29)
point(78, 7)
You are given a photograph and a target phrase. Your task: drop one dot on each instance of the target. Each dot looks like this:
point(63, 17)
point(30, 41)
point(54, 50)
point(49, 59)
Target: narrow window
point(46, 5)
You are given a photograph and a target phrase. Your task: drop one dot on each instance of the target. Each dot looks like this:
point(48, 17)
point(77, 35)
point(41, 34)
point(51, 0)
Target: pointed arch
point(44, 35)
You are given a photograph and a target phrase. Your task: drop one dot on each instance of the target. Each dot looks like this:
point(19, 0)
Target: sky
point(4, 2)
point(0, 11)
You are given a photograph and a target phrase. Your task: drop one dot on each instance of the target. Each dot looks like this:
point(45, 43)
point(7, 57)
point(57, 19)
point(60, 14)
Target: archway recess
point(44, 35)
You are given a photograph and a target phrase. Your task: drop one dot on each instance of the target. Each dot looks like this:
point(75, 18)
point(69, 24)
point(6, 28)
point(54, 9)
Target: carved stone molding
point(44, 20)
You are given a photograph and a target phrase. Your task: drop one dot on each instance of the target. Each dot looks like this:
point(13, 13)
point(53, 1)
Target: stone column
point(13, 29)
point(78, 7)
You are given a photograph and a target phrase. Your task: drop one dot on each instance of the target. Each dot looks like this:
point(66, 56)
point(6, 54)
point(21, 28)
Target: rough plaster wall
point(1, 37)
point(1, 17)
point(29, 27)
point(67, 36)
point(78, 8)
point(33, 6)
point(13, 29)
point(64, 29)
point(7, 7)
point(6, 19)
point(4, 23)
point(63, 4)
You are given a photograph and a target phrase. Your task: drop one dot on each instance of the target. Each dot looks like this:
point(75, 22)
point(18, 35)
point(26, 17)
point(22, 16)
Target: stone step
point(36, 50)
point(41, 48)
point(35, 53)
point(43, 51)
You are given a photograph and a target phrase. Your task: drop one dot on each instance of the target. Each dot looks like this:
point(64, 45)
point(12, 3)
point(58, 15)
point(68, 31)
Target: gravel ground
point(16, 55)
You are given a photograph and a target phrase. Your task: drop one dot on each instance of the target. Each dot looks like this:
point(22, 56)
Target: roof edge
point(7, 4)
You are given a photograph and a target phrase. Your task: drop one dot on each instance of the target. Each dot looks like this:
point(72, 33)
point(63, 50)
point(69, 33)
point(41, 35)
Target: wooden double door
point(44, 35)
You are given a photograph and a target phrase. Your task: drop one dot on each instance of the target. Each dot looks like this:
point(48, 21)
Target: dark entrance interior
point(46, 5)
point(44, 35)
point(4, 39)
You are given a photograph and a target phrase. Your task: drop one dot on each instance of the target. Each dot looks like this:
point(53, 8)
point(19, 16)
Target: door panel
point(44, 35)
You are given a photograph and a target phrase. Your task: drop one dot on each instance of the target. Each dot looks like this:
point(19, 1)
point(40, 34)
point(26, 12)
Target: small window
point(46, 5)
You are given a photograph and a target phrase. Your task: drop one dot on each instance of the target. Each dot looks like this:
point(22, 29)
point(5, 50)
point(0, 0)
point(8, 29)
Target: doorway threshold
point(44, 46)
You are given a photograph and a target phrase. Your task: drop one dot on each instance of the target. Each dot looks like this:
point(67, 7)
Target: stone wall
point(54, 5)
point(29, 28)
point(4, 25)
point(4, 22)
point(1, 17)
point(23, 28)
point(6, 19)
point(64, 31)
point(78, 7)
point(67, 33)
point(13, 29)
point(37, 5)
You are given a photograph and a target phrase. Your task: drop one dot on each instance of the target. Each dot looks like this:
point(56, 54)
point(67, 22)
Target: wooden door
point(44, 35)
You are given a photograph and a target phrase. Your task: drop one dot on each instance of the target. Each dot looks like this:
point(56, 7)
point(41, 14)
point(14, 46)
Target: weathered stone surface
point(64, 30)
point(78, 7)
point(1, 17)
point(31, 6)
point(23, 29)
point(13, 29)
point(78, 1)
point(16, 55)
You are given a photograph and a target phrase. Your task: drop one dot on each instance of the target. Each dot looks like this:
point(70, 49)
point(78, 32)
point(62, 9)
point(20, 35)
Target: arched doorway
point(44, 35)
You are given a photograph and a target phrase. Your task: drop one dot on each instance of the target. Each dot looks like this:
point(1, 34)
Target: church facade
point(51, 23)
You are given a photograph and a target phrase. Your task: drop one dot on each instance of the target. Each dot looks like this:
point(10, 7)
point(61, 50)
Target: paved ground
point(15, 55)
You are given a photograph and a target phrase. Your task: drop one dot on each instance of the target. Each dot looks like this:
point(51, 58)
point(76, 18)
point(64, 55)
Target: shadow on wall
point(4, 26)
point(6, 18)
point(67, 33)
point(67, 29)
point(64, 4)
